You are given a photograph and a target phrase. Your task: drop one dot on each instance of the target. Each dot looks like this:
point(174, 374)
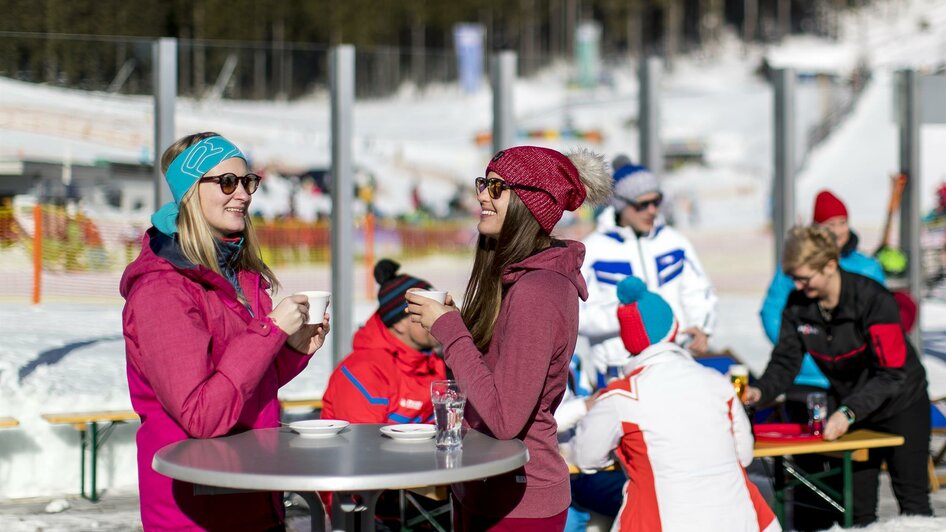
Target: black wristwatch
point(848, 414)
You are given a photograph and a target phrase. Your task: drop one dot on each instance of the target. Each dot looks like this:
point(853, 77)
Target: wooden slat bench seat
point(87, 423)
point(293, 404)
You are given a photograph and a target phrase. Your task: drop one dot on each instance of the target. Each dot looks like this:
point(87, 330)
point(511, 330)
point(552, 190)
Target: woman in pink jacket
point(510, 346)
point(206, 351)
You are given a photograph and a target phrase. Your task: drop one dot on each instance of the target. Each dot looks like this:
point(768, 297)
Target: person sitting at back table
point(677, 428)
point(387, 376)
point(830, 213)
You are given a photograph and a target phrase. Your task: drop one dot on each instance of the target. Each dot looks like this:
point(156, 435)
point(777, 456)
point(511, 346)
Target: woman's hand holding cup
point(426, 307)
point(291, 313)
point(309, 338)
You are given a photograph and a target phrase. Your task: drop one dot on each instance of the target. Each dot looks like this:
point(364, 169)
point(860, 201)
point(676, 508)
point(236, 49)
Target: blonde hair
point(195, 235)
point(811, 246)
point(520, 237)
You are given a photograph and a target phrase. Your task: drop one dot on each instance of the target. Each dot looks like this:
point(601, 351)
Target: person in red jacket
point(387, 376)
point(510, 346)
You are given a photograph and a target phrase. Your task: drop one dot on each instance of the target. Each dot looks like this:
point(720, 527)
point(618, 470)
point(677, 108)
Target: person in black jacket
point(851, 326)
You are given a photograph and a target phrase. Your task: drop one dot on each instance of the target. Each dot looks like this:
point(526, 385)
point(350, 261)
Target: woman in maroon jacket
point(510, 346)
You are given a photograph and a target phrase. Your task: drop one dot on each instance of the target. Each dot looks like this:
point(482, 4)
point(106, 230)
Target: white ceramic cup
point(318, 303)
point(437, 295)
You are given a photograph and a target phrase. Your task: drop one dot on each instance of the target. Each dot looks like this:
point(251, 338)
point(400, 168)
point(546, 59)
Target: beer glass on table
point(739, 375)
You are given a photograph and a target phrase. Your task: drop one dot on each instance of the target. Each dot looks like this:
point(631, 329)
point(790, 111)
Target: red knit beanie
point(549, 181)
point(828, 206)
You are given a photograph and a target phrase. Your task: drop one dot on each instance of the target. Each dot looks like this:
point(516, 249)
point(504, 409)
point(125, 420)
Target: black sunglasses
point(644, 205)
point(496, 186)
point(228, 182)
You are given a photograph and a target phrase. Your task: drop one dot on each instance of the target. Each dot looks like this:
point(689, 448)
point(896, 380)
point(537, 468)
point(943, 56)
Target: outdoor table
point(853, 446)
point(356, 464)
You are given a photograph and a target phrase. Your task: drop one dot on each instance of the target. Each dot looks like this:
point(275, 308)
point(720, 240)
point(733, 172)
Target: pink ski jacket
point(199, 365)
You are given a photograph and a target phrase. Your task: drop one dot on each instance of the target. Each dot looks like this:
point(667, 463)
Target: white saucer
point(318, 428)
point(409, 432)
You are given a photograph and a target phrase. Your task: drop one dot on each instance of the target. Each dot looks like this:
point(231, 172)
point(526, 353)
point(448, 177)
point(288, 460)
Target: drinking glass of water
point(448, 402)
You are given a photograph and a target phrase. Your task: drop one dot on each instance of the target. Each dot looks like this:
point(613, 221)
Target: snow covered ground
point(68, 356)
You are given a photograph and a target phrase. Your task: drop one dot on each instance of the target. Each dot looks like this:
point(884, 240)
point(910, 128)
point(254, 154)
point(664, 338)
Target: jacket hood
point(563, 257)
point(375, 336)
point(161, 253)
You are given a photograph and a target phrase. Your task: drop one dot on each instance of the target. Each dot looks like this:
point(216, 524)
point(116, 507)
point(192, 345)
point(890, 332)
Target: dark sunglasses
point(228, 182)
point(644, 205)
point(494, 185)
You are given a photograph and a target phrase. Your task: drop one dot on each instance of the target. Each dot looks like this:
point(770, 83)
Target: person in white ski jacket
point(631, 239)
point(676, 427)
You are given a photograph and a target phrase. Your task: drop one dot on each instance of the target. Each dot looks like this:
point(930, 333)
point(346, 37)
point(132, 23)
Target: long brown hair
point(520, 237)
point(194, 233)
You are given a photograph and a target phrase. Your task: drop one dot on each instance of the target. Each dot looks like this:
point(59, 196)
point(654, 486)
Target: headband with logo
point(189, 166)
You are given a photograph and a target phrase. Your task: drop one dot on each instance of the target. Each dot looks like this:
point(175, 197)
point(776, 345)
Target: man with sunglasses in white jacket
point(632, 239)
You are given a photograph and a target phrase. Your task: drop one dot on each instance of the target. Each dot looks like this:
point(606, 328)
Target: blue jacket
point(781, 286)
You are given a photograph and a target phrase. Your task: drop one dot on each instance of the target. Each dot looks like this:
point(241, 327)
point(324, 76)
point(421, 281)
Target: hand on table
point(426, 311)
point(836, 426)
point(752, 395)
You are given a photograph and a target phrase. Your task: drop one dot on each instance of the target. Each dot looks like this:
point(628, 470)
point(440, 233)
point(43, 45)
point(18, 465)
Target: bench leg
point(82, 462)
point(848, 490)
point(94, 496)
point(779, 488)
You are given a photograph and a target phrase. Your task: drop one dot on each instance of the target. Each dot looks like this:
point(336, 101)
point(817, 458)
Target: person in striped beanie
point(677, 428)
point(387, 376)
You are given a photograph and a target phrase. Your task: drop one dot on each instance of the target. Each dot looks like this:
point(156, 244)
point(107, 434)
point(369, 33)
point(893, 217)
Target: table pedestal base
point(347, 507)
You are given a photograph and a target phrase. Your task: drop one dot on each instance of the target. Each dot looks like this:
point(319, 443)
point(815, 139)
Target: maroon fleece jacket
point(514, 388)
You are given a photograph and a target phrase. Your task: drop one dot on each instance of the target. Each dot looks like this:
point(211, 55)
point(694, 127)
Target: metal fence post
point(342, 80)
point(648, 115)
point(783, 180)
point(909, 113)
point(164, 56)
point(503, 77)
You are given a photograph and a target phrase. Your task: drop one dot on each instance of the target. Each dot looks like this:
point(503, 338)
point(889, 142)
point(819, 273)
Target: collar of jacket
point(655, 354)
point(850, 246)
point(169, 249)
point(846, 304)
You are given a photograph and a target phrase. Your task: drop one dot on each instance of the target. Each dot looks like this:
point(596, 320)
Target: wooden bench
point(87, 423)
point(292, 404)
point(8, 422)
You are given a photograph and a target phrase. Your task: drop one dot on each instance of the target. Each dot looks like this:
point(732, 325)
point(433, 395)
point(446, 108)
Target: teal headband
point(189, 166)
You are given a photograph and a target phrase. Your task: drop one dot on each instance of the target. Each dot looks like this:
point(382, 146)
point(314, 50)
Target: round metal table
point(359, 461)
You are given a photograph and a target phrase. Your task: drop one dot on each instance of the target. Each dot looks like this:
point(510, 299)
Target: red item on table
point(784, 433)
